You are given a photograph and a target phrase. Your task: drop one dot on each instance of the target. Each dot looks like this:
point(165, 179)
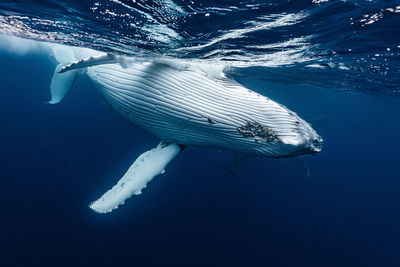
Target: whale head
point(305, 139)
point(299, 138)
point(279, 132)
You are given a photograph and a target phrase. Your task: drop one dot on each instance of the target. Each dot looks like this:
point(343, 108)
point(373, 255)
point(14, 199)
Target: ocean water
point(335, 63)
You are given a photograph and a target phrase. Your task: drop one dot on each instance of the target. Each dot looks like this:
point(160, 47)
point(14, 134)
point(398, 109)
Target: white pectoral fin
point(69, 67)
point(61, 83)
point(93, 61)
point(148, 165)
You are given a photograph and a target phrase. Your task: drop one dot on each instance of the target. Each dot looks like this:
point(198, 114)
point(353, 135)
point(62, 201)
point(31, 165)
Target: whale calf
point(182, 103)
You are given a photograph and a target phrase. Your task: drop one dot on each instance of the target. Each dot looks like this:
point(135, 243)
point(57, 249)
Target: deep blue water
point(56, 159)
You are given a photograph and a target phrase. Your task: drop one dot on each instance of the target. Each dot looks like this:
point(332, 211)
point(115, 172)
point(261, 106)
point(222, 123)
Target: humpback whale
point(182, 103)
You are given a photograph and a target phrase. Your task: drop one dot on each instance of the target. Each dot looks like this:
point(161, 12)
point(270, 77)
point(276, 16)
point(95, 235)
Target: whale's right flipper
point(143, 170)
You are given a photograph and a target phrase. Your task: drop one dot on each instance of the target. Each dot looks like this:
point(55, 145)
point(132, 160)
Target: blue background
point(56, 159)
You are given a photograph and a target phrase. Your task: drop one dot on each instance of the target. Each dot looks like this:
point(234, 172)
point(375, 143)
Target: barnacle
point(255, 129)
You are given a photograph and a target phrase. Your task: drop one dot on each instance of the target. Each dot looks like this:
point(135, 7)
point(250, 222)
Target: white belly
point(189, 107)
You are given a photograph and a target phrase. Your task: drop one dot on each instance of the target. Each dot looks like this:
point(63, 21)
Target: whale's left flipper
point(148, 165)
point(61, 83)
point(93, 61)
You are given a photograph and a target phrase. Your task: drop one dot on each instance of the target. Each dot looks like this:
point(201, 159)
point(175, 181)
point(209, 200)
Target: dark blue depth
point(56, 159)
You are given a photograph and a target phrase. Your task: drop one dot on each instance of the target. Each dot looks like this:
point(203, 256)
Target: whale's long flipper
point(61, 83)
point(93, 61)
point(143, 170)
point(66, 72)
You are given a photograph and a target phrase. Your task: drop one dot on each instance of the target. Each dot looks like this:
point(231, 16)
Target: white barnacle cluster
point(255, 129)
